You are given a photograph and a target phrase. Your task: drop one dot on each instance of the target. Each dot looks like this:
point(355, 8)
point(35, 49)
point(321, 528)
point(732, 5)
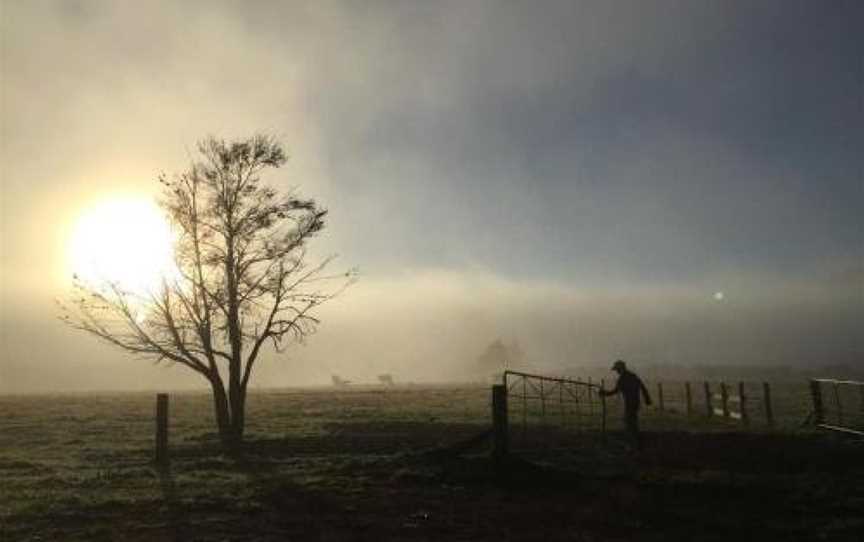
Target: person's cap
point(619, 365)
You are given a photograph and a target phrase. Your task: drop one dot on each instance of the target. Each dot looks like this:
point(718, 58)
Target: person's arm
point(645, 393)
point(613, 391)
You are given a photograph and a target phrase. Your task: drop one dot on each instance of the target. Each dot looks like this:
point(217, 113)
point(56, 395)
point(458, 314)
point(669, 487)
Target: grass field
point(378, 464)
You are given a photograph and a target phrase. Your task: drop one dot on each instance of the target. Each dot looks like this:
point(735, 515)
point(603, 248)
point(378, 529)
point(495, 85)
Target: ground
point(395, 464)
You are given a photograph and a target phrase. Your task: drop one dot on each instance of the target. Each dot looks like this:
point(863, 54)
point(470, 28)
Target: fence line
point(744, 403)
point(540, 409)
point(538, 402)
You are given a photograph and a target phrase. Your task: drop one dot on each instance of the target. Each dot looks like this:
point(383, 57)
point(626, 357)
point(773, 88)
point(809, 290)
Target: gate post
point(500, 438)
point(162, 428)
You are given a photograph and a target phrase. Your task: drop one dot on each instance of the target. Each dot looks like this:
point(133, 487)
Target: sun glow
point(125, 241)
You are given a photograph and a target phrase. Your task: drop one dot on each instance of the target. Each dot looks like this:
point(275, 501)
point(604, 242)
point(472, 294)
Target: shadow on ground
point(430, 481)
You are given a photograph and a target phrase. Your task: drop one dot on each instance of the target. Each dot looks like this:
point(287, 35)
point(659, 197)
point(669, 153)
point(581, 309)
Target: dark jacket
point(629, 385)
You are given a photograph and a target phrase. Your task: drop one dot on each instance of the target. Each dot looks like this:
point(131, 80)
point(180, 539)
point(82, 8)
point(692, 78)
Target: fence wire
point(734, 405)
point(547, 412)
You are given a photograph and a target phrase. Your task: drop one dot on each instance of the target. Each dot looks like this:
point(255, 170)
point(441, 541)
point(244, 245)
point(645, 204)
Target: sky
point(580, 177)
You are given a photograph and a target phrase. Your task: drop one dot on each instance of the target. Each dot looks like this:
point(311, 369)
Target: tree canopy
point(242, 280)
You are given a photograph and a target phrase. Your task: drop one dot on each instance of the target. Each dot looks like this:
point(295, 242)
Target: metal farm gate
point(533, 411)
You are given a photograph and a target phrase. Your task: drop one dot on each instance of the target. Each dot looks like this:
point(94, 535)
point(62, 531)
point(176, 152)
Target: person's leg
point(632, 422)
point(637, 434)
point(629, 426)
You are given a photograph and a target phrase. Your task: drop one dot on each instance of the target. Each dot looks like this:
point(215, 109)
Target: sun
point(126, 241)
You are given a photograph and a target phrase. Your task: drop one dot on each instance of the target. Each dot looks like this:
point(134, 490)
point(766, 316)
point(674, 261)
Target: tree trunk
point(236, 402)
point(223, 414)
point(238, 413)
point(236, 391)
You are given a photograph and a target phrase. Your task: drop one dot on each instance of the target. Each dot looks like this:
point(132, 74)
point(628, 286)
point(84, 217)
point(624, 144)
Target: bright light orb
point(719, 296)
point(125, 241)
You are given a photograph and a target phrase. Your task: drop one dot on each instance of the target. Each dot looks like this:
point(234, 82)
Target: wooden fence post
point(766, 397)
point(660, 403)
point(499, 422)
point(162, 428)
point(745, 416)
point(708, 406)
point(724, 399)
point(689, 395)
point(816, 394)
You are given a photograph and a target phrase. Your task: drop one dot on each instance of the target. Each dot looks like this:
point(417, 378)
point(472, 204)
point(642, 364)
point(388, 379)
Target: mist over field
point(432, 328)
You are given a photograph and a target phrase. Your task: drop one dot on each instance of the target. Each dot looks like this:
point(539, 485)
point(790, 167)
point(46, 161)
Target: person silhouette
point(630, 386)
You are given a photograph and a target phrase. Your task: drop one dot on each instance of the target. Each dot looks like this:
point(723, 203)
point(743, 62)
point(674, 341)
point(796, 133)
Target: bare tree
point(241, 279)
